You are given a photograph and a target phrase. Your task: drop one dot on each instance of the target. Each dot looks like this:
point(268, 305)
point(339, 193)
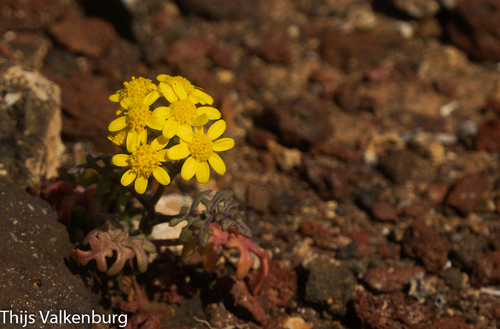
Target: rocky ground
point(367, 158)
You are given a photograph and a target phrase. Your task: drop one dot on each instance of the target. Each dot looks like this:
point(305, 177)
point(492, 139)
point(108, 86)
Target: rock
point(220, 317)
point(29, 15)
point(486, 270)
point(329, 182)
point(422, 242)
point(397, 165)
point(258, 197)
point(330, 285)
point(239, 300)
point(35, 251)
point(467, 192)
point(467, 249)
point(30, 119)
point(449, 323)
point(259, 137)
point(415, 210)
point(437, 193)
point(30, 48)
point(295, 323)
point(222, 9)
point(275, 48)
point(473, 27)
point(488, 136)
point(384, 212)
point(417, 8)
point(90, 36)
point(280, 286)
point(120, 60)
point(389, 279)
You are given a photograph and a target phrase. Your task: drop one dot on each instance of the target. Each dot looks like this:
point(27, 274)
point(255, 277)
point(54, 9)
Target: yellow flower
point(179, 88)
point(135, 88)
point(119, 138)
point(199, 148)
point(145, 160)
point(184, 114)
point(137, 117)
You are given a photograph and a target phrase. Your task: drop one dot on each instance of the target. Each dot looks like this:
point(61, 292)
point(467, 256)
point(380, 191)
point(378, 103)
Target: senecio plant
point(159, 143)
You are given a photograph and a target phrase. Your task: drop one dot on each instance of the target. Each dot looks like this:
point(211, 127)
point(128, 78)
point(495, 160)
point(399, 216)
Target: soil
point(367, 150)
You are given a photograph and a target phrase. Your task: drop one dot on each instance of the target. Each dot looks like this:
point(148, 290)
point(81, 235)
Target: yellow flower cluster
point(174, 131)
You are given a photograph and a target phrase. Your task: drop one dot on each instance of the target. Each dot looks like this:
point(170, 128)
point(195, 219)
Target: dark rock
point(350, 100)
point(329, 81)
point(222, 9)
point(330, 183)
point(220, 317)
point(384, 212)
point(455, 278)
point(259, 137)
point(298, 123)
point(340, 151)
point(30, 48)
point(89, 36)
point(239, 300)
point(486, 270)
point(35, 248)
point(422, 242)
point(330, 285)
point(473, 27)
point(397, 165)
point(389, 279)
point(29, 15)
point(366, 198)
point(488, 136)
point(389, 250)
point(275, 48)
point(258, 197)
point(467, 249)
point(30, 125)
point(467, 192)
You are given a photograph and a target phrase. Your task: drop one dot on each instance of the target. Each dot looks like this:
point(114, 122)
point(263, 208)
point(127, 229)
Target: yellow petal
point(162, 112)
point(189, 168)
point(199, 120)
point(143, 137)
point(179, 90)
point(212, 112)
point(203, 172)
point(115, 98)
point(132, 141)
point(162, 156)
point(159, 142)
point(203, 97)
point(141, 184)
point(155, 122)
point(223, 144)
point(161, 176)
point(127, 102)
point(120, 160)
point(118, 124)
point(151, 98)
point(162, 77)
point(216, 129)
point(171, 127)
point(217, 163)
point(168, 92)
point(128, 177)
point(178, 152)
point(185, 133)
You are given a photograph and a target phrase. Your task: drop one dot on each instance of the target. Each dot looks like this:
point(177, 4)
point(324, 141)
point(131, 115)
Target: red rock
point(330, 183)
point(259, 137)
point(389, 250)
point(398, 165)
point(422, 242)
point(222, 9)
point(389, 279)
point(90, 36)
point(120, 60)
point(415, 210)
point(29, 14)
point(188, 50)
point(275, 48)
point(467, 192)
point(449, 323)
point(310, 228)
point(384, 212)
point(486, 270)
point(488, 136)
point(437, 193)
point(340, 151)
point(473, 27)
point(280, 285)
point(328, 79)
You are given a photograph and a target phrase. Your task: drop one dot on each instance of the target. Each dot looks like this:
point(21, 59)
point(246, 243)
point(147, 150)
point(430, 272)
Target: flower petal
point(216, 129)
point(162, 112)
point(120, 160)
point(161, 176)
point(162, 77)
point(203, 97)
point(159, 142)
point(189, 168)
point(143, 137)
point(171, 127)
point(132, 141)
point(168, 92)
point(223, 144)
point(179, 90)
point(151, 98)
point(216, 162)
point(126, 102)
point(199, 120)
point(203, 172)
point(128, 177)
point(212, 112)
point(185, 133)
point(118, 124)
point(141, 184)
point(162, 156)
point(155, 122)
point(178, 152)
point(115, 98)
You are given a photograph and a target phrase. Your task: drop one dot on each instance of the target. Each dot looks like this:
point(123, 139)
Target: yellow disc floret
point(184, 111)
point(201, 147)
point(136, 88)
point(138, 117)
point(143, 160)
point(185, 83)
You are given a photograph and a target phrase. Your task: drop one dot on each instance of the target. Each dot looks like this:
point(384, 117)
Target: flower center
point(183, 111)
point(143, 160)
point(138, 116)
point(137, 88)
point(201, 147)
